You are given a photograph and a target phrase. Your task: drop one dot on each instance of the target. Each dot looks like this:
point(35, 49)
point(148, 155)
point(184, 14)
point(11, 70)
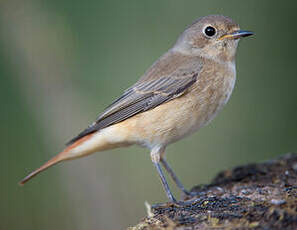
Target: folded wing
point(146, 94)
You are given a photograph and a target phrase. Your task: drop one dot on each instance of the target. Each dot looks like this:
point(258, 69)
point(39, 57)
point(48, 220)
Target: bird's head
point(213, 36)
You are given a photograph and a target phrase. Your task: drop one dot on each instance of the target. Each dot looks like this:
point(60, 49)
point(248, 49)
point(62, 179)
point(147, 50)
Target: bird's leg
point(164, 183)
point(155, 156)
point(173, 176)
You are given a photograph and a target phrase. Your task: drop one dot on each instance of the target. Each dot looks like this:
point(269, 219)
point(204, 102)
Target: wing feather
point(143, 96)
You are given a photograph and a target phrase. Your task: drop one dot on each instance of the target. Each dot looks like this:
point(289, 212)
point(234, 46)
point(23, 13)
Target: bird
point(180, 93)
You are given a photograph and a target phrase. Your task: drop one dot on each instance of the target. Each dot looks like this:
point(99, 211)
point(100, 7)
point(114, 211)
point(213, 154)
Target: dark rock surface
point(254, 196)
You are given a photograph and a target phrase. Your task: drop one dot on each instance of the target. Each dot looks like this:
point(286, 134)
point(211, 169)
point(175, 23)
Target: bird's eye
point(210, 31)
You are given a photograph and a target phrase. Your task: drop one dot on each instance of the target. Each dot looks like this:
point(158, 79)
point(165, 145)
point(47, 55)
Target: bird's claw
point(179, 203)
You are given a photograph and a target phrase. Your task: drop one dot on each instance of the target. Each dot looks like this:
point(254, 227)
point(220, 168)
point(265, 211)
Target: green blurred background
point(62, 62)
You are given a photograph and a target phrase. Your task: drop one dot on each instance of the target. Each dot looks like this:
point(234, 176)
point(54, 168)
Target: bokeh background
point(64, 61)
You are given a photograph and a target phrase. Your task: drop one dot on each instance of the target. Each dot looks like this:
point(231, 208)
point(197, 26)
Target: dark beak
point(237, 34)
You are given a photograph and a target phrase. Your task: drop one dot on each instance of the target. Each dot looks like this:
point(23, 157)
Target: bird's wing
point(148, 93)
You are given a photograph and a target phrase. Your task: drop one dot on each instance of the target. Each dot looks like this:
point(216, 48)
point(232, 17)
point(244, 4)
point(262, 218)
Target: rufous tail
point(51, 162)
point(67, 154)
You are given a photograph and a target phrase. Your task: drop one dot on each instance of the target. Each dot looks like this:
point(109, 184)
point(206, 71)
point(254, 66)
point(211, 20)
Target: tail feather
point(67, 154)
point(85, 146)
point(51, 162)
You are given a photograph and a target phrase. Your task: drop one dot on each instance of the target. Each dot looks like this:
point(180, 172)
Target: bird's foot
point(191, 194)
point(180, 203)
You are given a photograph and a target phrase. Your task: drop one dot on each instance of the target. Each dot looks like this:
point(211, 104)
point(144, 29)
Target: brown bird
point(181, 92)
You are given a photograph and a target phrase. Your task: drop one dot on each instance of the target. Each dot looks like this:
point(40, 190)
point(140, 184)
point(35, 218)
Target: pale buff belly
point(182, 116)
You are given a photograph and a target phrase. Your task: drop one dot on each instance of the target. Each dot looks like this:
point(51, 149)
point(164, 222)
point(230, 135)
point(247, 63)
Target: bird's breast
point(212, 91)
